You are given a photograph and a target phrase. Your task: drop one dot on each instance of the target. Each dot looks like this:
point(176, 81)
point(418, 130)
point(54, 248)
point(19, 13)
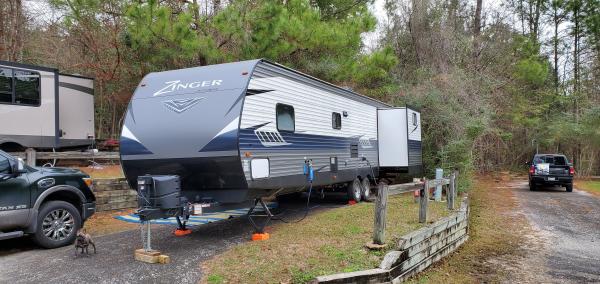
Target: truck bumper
point(552, 180)
point(88, 210)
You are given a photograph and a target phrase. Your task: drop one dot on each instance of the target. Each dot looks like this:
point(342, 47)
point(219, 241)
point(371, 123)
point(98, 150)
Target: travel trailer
point(241, 131)
point(42, 108)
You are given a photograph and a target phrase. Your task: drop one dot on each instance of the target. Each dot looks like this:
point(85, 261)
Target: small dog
point(83, 241)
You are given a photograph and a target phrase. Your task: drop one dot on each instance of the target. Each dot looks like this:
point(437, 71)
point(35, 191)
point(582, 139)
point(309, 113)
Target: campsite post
point(424, 198)
point(380, 214)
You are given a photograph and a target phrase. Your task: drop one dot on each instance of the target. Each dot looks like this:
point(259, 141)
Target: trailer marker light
point(247, 154)
point(244, 73)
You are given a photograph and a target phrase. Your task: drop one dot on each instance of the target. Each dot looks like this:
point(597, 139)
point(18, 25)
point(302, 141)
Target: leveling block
point(260, 236)
point(151, 256)
point(182, 232)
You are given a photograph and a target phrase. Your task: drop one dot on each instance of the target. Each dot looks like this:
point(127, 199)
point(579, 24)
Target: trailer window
point(5, 85)
point(285, 118)
point(336, 120)
point(27, 88)
point(414, 119)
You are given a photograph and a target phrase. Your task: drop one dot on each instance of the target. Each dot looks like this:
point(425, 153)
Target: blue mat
point(198, 220)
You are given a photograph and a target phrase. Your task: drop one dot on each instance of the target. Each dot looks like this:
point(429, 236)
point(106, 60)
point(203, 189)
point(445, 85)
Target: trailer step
point(11, 235)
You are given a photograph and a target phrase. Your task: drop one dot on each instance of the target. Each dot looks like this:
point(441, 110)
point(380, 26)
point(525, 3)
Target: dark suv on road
point(550, 169)
point(50, 204)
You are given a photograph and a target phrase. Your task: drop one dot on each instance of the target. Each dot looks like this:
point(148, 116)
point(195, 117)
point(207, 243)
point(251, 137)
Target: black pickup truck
point(50, 204)
point(550, 169)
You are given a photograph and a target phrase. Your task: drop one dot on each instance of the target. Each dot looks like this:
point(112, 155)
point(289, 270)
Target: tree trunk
point(555, 45)
point(477, 30)
point(419, 30)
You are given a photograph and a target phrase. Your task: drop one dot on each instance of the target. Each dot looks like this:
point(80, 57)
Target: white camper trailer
point(42, 108)
point(240, 131)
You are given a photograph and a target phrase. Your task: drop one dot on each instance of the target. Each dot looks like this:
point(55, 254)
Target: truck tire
point(366, 189)
point(57, 224)
point(569, 188)
point(354, 190)
point(531, 186)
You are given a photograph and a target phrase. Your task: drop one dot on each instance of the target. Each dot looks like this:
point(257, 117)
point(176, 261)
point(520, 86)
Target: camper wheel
point(355, 190)
point(366, 188)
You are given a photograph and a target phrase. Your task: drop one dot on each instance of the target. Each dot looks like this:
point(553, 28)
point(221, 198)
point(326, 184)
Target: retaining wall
point(112, 194)
point(413, 252)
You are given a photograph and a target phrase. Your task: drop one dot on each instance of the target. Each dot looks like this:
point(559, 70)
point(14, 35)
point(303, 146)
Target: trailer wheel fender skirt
point(354, 190)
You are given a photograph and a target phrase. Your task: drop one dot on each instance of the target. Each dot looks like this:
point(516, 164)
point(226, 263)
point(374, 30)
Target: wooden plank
point(401, 276)
point(365, 276)
point(394, 189)
point(72, 155)
point(380, 214)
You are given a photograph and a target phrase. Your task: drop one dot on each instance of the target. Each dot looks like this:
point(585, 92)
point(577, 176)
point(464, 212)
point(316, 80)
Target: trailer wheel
point(354, 190)
point(366, 188)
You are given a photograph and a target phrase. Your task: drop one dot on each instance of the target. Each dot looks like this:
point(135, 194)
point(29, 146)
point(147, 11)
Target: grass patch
point(494, 232)
point(327, 242)
point(590, 186)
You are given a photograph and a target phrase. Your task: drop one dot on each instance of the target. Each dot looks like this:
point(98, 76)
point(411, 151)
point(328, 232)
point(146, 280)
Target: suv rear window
point(553, 160)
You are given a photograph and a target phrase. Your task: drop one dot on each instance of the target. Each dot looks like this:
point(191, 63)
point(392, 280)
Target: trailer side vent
point(354, 150)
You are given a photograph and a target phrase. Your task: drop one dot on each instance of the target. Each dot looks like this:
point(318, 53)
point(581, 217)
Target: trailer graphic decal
point(176, 85)
point(182, 105)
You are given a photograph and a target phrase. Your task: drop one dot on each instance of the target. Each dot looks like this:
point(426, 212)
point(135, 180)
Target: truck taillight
point(532, 169)
point(571, 170)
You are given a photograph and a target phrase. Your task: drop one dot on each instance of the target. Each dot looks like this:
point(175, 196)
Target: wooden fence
point(417, 250)
point(413, 252)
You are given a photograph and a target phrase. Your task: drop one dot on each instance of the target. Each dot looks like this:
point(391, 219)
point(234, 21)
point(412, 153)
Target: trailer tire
point(366, 188)
point(354, 190)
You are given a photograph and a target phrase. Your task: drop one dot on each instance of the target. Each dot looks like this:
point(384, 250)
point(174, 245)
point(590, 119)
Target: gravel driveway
point(22, 262)
point(570, 224)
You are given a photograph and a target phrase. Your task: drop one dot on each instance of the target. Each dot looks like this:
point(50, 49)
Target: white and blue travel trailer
point(240, 131)
point(42, 108)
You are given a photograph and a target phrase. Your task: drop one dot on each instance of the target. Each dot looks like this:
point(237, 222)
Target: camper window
point(414, 119)
point(27, 91)
point(285, 118)
point(5, 85)
point(336, 120)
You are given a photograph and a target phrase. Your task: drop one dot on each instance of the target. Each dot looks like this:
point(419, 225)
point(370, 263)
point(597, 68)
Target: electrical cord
point(306, 209)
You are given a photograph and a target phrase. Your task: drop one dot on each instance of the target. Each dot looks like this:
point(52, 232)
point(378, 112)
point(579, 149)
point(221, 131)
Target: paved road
point(22, 262)
point(570, 224)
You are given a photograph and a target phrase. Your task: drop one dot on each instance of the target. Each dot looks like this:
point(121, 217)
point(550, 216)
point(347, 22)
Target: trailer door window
point(285, 118)
point(27, 88)
point(336, 120)
point(5, 85)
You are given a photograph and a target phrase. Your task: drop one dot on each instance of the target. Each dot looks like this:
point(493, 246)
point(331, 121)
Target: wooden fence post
point(451, 192)
point(30, 157)
point(380, 214)
point(424, 199)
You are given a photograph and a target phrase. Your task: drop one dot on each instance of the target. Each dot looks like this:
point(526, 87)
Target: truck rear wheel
point(354, 190)
point(57, 224)
point(366, 189)
point(569, 188)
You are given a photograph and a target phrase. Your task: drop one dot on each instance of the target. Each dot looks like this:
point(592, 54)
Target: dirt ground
point(104, 223)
